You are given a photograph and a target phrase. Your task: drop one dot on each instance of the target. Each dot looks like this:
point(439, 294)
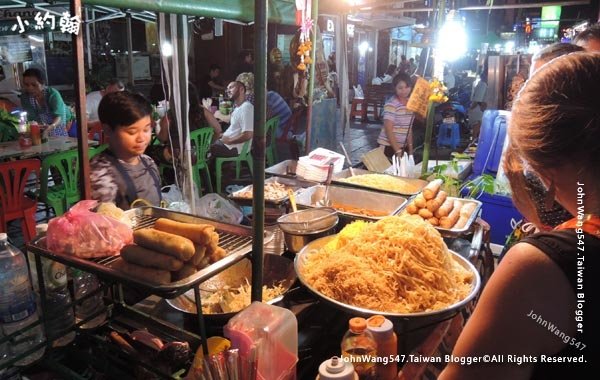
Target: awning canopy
point(280, 11)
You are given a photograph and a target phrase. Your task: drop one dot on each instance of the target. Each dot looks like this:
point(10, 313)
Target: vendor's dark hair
point(214, 66)
point(35, 73)
point(555, 50)
point(555, 119)
point(402, 77)
point(123, 108)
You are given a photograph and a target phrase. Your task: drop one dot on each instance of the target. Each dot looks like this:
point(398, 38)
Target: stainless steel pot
point(301, 227)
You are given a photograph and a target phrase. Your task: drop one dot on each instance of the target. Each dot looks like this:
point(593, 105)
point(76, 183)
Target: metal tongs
point(347, 159)
point(326, 202)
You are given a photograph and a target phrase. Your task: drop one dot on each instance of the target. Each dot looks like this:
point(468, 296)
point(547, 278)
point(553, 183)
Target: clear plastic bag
point(86, 234)
point(216, 207)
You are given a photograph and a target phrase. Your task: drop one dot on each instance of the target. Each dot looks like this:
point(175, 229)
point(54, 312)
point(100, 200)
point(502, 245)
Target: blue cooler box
point(497, 210)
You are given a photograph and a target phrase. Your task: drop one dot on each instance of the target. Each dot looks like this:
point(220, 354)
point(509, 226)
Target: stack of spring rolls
point(434, 205)
point(170, 251)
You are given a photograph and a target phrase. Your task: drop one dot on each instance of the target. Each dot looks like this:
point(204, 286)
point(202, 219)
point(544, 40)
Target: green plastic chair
point(201, 139)
point(271, 134)
point(244, 156)
point(61, 196)
point(93, 152)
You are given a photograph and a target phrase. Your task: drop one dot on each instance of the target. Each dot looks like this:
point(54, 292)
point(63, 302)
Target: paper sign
point(419, 98)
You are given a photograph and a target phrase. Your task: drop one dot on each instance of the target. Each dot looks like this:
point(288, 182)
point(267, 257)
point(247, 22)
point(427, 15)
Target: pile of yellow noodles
point(383, 182)
point(399, 264)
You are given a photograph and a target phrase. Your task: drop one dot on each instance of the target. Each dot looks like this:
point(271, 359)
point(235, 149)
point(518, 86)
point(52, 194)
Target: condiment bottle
point(387, 346)
point(360, 349)
point(336, 369)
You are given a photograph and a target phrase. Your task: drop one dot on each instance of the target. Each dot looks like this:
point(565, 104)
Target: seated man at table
point(92, 100)
point(241, 124)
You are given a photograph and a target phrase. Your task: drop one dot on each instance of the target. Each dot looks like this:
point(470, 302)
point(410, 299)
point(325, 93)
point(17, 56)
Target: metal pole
point(311, 80)
point(80, 114)
point(130, 51)
point(88, 40)
point(258, 145)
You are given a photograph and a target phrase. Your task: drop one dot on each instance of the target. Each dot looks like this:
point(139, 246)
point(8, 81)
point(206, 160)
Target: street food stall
point(164, 274)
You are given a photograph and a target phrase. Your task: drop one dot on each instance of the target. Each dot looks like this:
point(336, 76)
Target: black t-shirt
point(581, 269)
point(205, 90)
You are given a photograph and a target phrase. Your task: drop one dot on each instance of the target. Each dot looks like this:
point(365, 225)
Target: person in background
point(589, 39)
point(123, 173)
point(404, 65)
point(532, 306)
point(92, 100)
point(449, 78)
point(211, 84)
point(387, 76)
point(245, 63)
point(397, 135)
point(44, 104)
point(196, 119)
point(241, 123)
point(412, 66)
point(277, 106)
point(247, 78)
point(478, 103)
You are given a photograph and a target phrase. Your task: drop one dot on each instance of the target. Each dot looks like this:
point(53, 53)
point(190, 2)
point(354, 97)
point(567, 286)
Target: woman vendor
point(44, 104)
point(397, 132)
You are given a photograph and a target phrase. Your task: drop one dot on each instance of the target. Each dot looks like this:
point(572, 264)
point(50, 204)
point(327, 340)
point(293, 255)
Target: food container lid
point(308, 221)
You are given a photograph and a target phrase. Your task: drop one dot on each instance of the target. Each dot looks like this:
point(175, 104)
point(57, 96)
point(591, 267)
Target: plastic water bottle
point(360, 349)
point(85, 283)
point(59, 313)
point(18, 308)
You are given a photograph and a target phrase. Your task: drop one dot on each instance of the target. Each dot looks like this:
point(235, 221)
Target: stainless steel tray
point(455, 232)
point(287, 169)
point(235, 239)
point(418, 184)
point(287, 182)
point(423, 317)
point(387, 204)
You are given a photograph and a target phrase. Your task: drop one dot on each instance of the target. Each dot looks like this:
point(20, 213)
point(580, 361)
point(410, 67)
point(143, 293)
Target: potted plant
point(8, 126)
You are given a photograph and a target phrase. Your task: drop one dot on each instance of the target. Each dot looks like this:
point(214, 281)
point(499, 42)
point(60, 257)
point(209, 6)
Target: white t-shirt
point(92, 101)
point(242, 120)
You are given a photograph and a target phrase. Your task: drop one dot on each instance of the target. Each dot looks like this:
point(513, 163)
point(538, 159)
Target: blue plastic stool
point(449, 135)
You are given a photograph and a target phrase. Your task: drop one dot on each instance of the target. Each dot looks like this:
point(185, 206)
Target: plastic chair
point(95, 128)
point(244, 156)
point(61, 196)
point(13, 202)
point(202, 138)
point(271, 134)
point(94, 151)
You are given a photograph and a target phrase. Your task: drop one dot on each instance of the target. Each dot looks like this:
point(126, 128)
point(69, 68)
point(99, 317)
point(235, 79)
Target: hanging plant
point(438, 91)
point(306, 26)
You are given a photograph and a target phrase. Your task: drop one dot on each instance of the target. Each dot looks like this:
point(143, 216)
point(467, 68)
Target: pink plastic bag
point(83, 233)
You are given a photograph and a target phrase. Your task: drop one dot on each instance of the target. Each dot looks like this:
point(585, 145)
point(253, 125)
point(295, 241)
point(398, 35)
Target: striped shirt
point(277, 106)
point(402, 119)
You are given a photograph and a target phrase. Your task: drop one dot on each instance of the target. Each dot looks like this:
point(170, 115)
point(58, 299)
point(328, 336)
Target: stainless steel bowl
point(423, 318)
point(277, 270)
point(301, 227)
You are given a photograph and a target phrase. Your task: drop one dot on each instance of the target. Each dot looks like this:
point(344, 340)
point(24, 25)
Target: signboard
point(14, 49)
point(419, 98)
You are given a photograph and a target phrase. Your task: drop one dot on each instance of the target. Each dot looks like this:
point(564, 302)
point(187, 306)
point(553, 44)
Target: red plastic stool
point(13, 202)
